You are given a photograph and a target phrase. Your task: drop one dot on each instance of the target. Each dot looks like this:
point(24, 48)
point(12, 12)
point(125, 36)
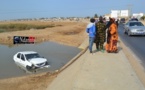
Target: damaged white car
point(30, 60)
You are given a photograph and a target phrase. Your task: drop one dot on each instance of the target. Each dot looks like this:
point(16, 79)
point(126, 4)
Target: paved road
point(135, 43)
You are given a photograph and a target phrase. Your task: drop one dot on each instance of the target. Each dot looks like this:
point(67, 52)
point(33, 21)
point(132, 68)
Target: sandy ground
point(67, 33)
point(143, 22)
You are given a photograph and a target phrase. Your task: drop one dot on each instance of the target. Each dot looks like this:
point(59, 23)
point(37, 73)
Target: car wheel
point(28, 67)
point(129, 34)
point(33, 67)
point(124, 32)
point(46, 63)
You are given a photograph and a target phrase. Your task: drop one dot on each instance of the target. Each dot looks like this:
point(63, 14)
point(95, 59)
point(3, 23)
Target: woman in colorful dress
point(112, 37)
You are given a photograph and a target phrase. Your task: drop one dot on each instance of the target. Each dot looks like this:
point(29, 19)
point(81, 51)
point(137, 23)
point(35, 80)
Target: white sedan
point(134, 28)
point(30, 60)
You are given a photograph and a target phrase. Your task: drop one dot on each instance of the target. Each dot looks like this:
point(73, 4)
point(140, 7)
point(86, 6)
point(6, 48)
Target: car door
point(23, 60)
point(18, 58)
point(126, 27)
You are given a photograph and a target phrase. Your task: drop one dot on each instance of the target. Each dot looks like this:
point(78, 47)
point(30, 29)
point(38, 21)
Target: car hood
point(137, 27)
point(37, 60)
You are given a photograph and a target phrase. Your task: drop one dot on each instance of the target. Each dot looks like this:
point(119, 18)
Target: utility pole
point(129, 10)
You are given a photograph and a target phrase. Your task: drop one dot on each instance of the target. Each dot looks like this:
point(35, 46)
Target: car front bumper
point(41, 67)
point(137, 33)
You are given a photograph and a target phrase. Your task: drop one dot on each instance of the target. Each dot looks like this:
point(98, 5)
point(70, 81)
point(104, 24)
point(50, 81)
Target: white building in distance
point(119, 13)
point(115, 13)
point(124, 13)
point(137, 15)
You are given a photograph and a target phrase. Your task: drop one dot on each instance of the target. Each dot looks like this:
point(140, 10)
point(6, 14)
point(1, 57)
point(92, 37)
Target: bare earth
point(67, 33)
point(143, 22)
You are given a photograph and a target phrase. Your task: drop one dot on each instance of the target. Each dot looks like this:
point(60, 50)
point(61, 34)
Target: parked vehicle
point(134, 28)
point(133, 19)
point(30, 60)
point(122, 20)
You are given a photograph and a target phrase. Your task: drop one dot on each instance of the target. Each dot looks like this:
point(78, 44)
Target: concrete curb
point(84, 49)
point(134, 62)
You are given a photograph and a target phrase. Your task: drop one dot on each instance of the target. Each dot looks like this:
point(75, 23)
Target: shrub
point(16, 27)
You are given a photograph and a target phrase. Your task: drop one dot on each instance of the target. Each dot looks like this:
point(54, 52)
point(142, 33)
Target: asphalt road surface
point(135, 43)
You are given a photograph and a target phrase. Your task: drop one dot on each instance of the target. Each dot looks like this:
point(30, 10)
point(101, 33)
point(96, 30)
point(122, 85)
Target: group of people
point(101, 32)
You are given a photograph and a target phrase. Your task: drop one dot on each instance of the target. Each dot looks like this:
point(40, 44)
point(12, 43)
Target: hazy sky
point(17, 9)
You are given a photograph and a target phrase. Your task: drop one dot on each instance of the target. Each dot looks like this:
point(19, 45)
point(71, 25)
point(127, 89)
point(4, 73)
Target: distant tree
point(96, 16)
point(88, 17)
point(42, 18)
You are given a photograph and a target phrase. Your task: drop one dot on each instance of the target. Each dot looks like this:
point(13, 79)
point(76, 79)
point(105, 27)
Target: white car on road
point(30, 60)
point(134, 28)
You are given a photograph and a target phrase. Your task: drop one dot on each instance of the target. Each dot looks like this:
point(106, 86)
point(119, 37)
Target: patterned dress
point(112, 38)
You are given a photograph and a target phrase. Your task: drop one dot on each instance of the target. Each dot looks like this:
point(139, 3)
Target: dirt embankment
point(68, 33)
point(143, 22)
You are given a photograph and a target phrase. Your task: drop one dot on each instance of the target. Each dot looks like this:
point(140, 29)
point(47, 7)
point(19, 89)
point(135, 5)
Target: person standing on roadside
point(100, 34)
point(117, 22)
point(104, 20)
point(112, 37)
point(109, 23)
point(91, 29)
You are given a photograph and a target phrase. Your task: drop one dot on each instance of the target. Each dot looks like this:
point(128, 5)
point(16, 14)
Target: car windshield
point(136, 24)
point(134, 19)
point(33, 55)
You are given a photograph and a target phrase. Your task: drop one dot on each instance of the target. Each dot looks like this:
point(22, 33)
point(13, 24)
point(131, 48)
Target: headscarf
point(112, 20)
